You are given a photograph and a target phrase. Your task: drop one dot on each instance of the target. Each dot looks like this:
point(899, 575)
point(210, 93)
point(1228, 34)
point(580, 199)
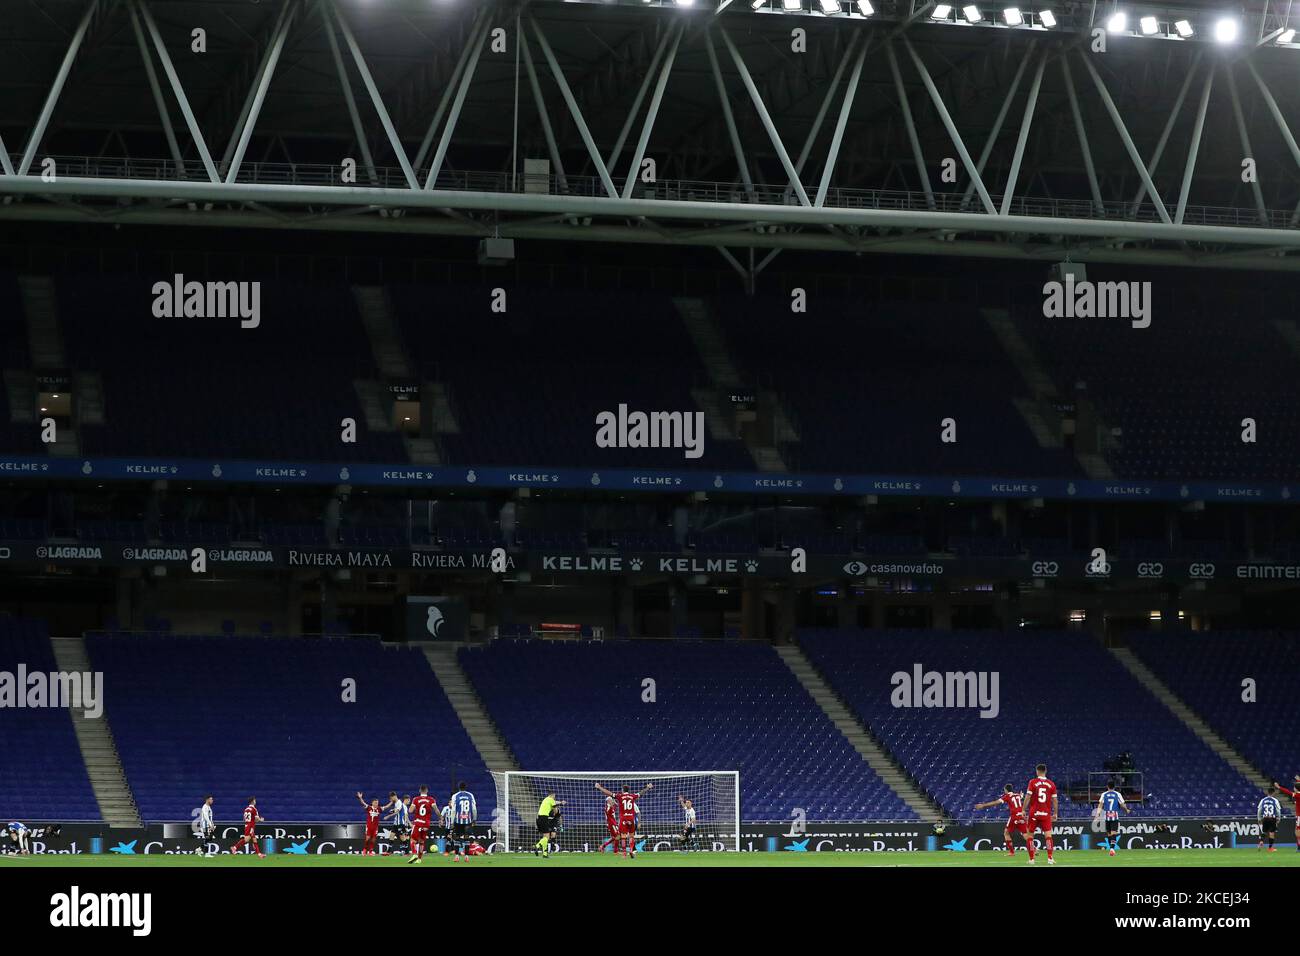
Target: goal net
point(714, 796)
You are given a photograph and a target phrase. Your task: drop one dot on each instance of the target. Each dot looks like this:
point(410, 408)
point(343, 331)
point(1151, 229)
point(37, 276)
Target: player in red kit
point(251, 819)
point(1043, 804)
point(424, 810)
point(1016, 822)
point(626, 800)
point(611, 824)
point(1294, 795)
point(373, 812)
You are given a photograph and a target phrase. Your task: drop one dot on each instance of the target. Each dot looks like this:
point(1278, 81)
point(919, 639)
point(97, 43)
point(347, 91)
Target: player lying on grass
point(1016, 822)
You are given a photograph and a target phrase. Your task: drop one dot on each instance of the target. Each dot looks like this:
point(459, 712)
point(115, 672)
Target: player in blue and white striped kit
point(464, 814)
point(447, 821)
point(1109, 805)
point(1268, 814)
point(19, 834)
point(400, 815)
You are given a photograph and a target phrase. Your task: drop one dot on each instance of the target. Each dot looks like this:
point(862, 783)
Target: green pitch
point(1250, 858)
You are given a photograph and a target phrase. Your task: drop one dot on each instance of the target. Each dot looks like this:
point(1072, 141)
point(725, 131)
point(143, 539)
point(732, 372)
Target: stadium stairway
point(107, 779)
point(20, 388)
point(43, 336)
point(876, 757)
point(394, 364)
point(478, 724)
point(381, 328)
point(444, 416)
point(483, 733)
point(1038, 412)
point(45, 339)
point(1161, 691)
point(89, 389)
point(370, 394)
point(1290, 334)
point(711, 344)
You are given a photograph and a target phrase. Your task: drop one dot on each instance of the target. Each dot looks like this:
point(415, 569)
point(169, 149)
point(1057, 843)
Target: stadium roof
point(253, 130)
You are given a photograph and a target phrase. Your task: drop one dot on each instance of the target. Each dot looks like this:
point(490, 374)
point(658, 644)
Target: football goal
point(713, 795)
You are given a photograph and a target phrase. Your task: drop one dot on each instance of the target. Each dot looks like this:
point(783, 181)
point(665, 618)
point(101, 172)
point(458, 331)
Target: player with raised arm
point(373, 812)
point(464, 814)
point(423, 811)
point(1109, 805)
point(1294, 795)
point(251, 819)
point(627, 815)
point(399, 812)
point(399, 815)
point(1044, 805)
point(688, 828)
point(1015, 804)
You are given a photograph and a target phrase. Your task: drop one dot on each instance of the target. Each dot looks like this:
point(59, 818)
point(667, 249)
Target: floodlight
point(1013, 17)
point(1047, 18)
point(971, 13)
point(1118, 22)
point(790, 6)
point(1183, 28)
point(865, 8)
point(1225, 30)
point(1149, 25)
point(940, 12)
point(1286, 36)
point(830, 6)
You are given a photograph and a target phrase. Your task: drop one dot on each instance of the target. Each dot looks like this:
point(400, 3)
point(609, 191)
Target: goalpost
point(714, 794)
